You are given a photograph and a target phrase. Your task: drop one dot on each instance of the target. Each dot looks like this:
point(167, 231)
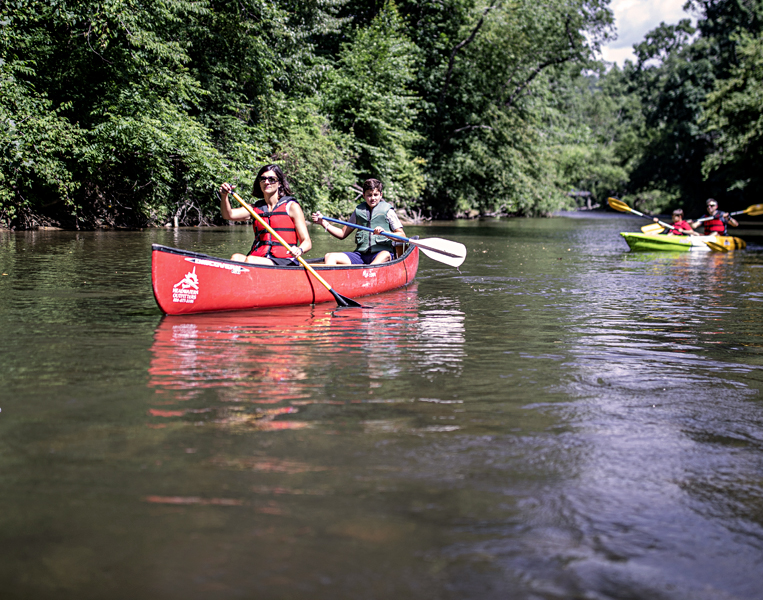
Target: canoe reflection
point(291, 357)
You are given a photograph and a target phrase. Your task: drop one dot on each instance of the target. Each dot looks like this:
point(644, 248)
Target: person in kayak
point(681, 227)
point(717, 221)
point(374, 212)
point(280, 210)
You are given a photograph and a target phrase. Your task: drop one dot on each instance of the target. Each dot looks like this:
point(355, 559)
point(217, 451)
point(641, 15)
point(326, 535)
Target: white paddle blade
point(653, 228)
point(444, 251)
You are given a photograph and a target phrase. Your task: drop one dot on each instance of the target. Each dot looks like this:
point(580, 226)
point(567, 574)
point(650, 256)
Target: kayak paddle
point(716, 246)
point(653, 228)
point(623, 207)
point(444, 251)
point(342, 301)
point(753, 211)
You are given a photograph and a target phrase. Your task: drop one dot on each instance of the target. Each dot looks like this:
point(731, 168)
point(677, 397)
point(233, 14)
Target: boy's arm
point(394, 222)
point(333, 229)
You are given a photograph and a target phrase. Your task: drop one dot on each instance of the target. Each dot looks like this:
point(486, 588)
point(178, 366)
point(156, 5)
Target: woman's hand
point(296, 251)
point(225, 189)
point(317, 217)
point(378, 230)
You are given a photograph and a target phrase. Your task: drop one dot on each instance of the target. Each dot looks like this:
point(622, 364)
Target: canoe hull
point(188, 282)
point(679, 243)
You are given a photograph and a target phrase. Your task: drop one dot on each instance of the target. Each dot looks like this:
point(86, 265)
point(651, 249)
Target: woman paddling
point(280, 210)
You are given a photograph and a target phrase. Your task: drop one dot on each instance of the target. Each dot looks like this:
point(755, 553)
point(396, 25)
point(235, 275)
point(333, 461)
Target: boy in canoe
point(681, 227)
point(374, 212)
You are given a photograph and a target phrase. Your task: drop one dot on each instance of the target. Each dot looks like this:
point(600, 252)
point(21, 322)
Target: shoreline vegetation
point(127, 115)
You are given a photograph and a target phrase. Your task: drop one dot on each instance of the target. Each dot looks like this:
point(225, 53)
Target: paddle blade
point(716, 247)
point(653, 228)
point(618, 205)
point(444, 251)
point(344, 301)
point(754, 210)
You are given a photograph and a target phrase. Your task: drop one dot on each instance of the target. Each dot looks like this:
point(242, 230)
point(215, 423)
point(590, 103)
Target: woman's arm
point(229, 213)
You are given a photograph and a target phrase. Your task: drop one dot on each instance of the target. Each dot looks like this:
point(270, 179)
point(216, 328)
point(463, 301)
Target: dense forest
point(129, 113)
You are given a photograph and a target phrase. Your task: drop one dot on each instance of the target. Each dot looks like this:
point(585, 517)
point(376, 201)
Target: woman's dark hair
point(283, 184)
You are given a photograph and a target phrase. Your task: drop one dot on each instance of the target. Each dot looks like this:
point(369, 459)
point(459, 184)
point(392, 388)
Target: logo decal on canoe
point(368, 274)
point(186, 290)
point(235, 269)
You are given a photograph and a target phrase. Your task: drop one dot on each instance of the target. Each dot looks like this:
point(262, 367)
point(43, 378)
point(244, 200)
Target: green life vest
point(367, 241)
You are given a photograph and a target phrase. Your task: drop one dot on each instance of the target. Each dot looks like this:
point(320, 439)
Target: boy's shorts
point(356, 258)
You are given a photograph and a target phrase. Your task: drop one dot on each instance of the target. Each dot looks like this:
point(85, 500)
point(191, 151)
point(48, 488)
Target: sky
point(634, 18)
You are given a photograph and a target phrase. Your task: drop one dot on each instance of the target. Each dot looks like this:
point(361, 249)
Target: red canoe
point(188, 282)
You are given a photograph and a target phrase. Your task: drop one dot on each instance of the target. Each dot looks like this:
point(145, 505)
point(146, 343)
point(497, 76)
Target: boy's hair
point(372, 184)
point(679, 212)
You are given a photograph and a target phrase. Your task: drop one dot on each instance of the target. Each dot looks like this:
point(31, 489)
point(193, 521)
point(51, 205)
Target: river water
point(559, 419)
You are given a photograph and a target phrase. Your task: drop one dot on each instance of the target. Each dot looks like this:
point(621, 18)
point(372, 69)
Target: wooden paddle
point(342, 301)
point(444, 251)
point(754, 211)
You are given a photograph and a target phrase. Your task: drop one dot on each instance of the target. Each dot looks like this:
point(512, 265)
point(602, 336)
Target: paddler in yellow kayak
point(681, 227)
point(716, 221)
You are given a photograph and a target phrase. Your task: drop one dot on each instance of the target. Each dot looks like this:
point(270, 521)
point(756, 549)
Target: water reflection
point(258, 369)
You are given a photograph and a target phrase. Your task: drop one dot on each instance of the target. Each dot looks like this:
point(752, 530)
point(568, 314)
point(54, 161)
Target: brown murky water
point(560, 419)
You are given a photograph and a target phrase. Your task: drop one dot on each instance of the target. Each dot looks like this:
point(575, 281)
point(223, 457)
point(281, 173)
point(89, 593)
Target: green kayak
point(680, 243)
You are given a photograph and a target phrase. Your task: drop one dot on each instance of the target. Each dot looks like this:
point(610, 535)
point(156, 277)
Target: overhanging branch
point(460, 45)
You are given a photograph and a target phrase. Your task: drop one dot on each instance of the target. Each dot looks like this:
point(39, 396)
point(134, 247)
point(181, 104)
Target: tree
point(368, 97)
point(734, 117)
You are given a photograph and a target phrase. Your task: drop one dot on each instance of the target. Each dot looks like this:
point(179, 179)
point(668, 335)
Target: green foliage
point(368, 97)
point(734, 115)
point(317, 158)
point(697, 90)
point(37, 142)
point(590, 122)
point(487, 146)
point(128, 113)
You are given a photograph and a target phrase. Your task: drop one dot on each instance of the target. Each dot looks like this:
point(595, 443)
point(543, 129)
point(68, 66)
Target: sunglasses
point(268, 179)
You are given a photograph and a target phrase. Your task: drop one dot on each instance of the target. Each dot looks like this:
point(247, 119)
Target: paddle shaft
point(731, 214)
point(274, 233)
point(394, 236)
point(622, 206)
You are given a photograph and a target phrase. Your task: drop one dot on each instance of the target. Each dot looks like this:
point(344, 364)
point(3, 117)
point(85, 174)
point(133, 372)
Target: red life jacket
point(281, 222)
point(714, 224)
point(680, 227)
